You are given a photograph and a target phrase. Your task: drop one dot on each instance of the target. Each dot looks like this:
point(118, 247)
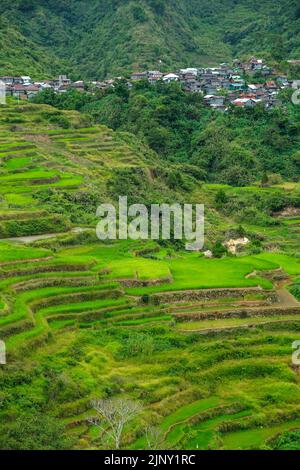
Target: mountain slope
point(96, 38)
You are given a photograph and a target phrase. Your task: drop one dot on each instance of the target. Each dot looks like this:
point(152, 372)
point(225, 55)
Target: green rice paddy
point(83, 319)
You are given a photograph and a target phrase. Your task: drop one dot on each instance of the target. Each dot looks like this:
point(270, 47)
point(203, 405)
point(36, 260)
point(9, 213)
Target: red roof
point(32, 88)
point(248, 95)
point(238, 103)
point(25, 88)
point(20, 88)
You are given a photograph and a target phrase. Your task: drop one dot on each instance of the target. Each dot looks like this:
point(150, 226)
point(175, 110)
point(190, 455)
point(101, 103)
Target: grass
point(73, 332)
point(289, 264)
point(194, 272)
point(18, 163)
point(10, 253)
point(188, 271)
point(181, 415)
point(189, 410)
point(233, 322)
point(252, 438)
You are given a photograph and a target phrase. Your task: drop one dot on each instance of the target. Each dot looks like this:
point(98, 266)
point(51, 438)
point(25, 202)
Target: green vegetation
point(39, 37)
point(84, 320)
point(236, 148)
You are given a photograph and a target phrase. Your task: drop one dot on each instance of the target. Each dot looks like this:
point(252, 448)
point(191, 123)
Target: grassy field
point(83, 319)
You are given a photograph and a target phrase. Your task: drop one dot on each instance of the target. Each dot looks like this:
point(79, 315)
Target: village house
point(261, 93)
point(7, 80)
point(171, 77)
point(154, 76)
point(256, 64)
point(252, 88)
point(24, 92)
point(62, 89)
point(63, 80)
point(79, 85)
point(19, 91)
point(238, 85)
point(245, 102)
point(214, 100)
point(248, 95)
point(100, 85)
point(225, 84)
point(188, 78)
point(139, 76)
point(271, 86)
point(44, 85)
point(32, 91)
point(207, 75)
point(209, 89)
point(26, 80)
point(193, 86)
point(189, 71)
point(12, 80)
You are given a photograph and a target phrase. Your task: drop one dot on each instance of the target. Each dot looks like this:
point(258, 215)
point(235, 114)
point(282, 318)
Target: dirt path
point(286, 299)
point(45, 236)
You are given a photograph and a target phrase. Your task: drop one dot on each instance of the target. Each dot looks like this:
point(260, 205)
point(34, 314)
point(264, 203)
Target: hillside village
point(222, 86)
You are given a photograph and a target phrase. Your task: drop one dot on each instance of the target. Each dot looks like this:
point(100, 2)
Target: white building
point(189, 71)
point(26, 81)
point(171, 77)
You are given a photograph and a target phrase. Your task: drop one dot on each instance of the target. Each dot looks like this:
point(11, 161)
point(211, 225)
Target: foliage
point(34, 431)
point(237, 148)
point(123, 35)
point(219, 250)
point(287, 441)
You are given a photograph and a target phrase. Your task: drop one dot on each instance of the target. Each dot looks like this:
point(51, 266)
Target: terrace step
point(55, 282)
point(211, 294)
point(235, 313)
point(75, 297)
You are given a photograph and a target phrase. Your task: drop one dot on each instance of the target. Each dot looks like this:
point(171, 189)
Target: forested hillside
point(236, 148)
point(96, 38)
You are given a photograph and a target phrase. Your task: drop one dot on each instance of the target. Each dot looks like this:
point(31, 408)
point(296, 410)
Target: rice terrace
point(202, 344)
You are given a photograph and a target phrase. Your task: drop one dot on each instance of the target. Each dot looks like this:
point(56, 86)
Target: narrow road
point(286, 299)
point(45, 236)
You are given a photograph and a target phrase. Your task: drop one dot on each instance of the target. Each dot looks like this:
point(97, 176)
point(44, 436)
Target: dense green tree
point(34, 431)
point(237, 148)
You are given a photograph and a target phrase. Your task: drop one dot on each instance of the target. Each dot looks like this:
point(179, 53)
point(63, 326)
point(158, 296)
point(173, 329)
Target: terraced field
point(204, 345)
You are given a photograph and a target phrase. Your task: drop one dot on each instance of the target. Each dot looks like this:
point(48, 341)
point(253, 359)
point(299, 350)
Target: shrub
point(289, 440)
point(219, 250)
point(34, 431)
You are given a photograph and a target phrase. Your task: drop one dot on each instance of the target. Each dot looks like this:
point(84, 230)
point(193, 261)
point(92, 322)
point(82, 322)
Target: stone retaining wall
point(212, 294)
point(238, 313)
point(128, 283)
